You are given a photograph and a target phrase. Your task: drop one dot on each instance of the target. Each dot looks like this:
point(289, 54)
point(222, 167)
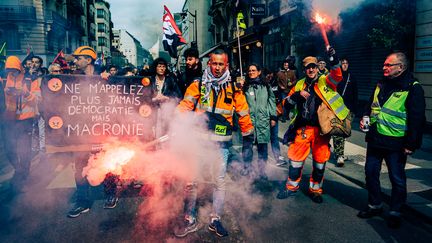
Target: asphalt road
point(252, 213)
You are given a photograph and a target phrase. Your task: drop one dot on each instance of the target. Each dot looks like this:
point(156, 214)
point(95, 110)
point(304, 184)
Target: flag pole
point(3, 47)
point(239, 49)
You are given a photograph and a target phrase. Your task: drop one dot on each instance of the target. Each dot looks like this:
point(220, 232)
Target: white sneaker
point(281, 161)
point(340, 161)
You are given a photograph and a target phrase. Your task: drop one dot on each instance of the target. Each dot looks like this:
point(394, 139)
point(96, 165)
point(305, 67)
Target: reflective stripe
point(392, 125)
point(319, 166)
point(214, 137)
point(340, 109)
point(190, 98)
point(243, 112)
point(333, 99)
point(297, 164)
point(393, 113)
point(315, 186)
point(217, 110)
point(292, 185)
point(332, 80)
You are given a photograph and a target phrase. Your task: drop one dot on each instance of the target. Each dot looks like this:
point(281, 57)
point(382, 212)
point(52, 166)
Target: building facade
point(423, 52)
point(103, 26)
point(130, 47)
point(196, 24)
point(45, 27)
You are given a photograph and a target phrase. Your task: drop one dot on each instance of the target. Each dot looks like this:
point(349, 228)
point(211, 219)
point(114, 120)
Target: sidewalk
point(418, 170)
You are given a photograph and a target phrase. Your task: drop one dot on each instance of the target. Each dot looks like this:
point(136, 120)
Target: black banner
point(80, 109)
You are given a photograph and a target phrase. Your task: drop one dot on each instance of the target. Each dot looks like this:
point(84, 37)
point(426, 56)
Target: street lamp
point(184, 14)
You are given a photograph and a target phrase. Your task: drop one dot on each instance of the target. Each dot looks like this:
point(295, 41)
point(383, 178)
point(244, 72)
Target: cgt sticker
point(55, 122)
point(220, 130)
point(55, 84)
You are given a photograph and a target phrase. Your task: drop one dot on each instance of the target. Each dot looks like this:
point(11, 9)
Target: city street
point(252, 214)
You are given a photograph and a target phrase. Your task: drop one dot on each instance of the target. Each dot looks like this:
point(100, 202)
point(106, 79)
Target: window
point(9, 34)
point(101, 41)
point(101, 13)
point(101, 27)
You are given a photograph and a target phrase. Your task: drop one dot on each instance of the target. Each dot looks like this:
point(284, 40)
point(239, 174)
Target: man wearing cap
point(304, 130)
point(85, 57)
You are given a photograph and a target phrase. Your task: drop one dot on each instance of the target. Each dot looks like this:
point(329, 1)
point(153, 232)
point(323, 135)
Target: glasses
point(252, 71)
point(55, 71)
point(387, 65)
point(311, 66)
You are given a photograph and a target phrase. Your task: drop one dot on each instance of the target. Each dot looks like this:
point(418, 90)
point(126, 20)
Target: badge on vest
point(220, 130)
point(251, 93)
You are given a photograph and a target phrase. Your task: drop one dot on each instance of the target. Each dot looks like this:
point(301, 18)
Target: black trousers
point(395, 161)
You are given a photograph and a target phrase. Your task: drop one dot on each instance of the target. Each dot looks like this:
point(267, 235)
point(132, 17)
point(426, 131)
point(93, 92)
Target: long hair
point(156, 62)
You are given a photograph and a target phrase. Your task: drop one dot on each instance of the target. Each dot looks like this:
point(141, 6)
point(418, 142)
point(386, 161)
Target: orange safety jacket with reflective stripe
point(220, 109)
point(23, 106)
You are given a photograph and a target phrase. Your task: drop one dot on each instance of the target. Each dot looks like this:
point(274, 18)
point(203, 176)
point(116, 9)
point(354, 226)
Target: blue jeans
point(395, 161)
point(219, 187)
point(274, 140)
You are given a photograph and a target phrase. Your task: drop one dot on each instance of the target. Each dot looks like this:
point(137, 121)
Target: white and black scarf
point(211, 82)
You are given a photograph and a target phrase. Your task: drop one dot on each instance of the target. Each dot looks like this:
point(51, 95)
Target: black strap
point(199, 97)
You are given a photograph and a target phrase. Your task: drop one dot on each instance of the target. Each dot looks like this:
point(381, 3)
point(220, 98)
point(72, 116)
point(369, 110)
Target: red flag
point(60, 59)
point(172, 36)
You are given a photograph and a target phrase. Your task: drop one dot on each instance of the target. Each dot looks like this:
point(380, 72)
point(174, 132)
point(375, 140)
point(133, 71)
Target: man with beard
point(397, 118)
point(193, 69)
point(215, 97)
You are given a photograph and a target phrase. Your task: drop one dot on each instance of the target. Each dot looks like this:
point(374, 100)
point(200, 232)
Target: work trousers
point(18, 137)
point(308, 138)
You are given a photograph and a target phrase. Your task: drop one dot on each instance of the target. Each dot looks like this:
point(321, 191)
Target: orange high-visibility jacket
point(220, 109)
point(23, 106)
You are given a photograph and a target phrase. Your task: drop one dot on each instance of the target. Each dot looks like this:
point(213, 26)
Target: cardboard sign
point(83, 110)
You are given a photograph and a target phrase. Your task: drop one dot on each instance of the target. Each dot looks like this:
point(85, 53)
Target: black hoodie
point(416, 118)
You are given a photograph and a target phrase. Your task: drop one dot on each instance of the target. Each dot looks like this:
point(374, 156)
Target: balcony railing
point(55, 18)
point(17, 13)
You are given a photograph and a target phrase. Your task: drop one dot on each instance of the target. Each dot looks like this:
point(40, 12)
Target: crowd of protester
point(262, 100)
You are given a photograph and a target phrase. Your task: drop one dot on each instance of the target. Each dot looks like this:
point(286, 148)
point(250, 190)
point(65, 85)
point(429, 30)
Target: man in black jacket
point(193, 69)
point(347, 88)
point(397, 118)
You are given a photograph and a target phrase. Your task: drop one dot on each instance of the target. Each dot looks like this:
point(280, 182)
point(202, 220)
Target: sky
point(142, 18)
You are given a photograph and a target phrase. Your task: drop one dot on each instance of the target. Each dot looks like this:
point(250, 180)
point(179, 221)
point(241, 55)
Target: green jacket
point(262, 106)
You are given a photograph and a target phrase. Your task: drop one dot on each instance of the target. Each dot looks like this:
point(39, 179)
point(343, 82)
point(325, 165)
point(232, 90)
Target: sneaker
point(77, 211)
point(285, 194)
point(340, 161)
point(281, 161)
point(111, 202)
point(186, 227)
point(316, 197)
point(216, 227)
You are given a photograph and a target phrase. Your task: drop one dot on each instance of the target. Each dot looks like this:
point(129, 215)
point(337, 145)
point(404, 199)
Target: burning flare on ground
point(110, 160)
